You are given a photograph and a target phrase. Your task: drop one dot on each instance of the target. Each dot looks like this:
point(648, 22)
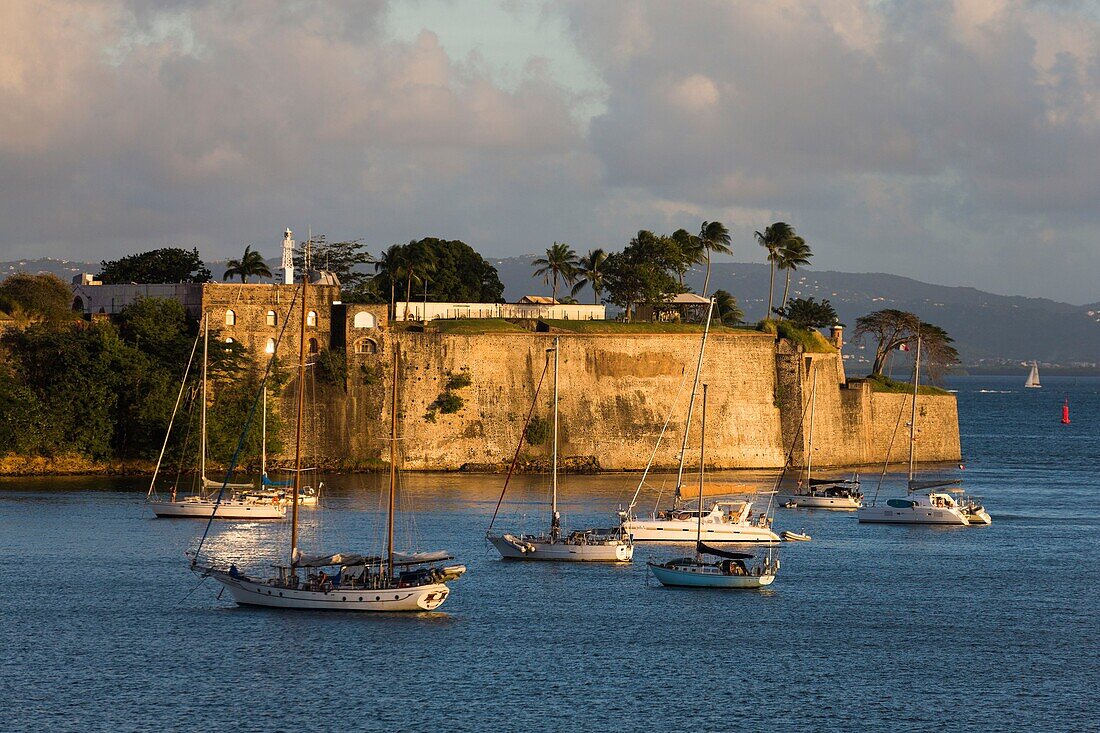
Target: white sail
point(1033, 377)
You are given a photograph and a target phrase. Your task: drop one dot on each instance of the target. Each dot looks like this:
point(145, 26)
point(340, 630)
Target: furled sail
point(348, 558)
point(831, 482)
point(708, 550)
point(211, 484)
point(925, 485)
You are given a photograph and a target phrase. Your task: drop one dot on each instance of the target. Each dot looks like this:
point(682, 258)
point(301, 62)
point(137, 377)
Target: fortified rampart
point(615, 393)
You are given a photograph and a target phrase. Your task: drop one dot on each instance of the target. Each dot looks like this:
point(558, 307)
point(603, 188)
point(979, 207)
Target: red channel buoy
point(1065, 412)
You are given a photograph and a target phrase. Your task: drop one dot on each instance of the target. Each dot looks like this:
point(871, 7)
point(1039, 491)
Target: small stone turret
point(836, 335)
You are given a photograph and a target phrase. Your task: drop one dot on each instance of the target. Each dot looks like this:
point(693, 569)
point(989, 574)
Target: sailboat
point(1033, 377)
point(922, 503)
point(724, 521)
point(205, 504)
point(392, 581)
point(730, 569)
point(584, 545)
point(278, 491)
point(823, 493)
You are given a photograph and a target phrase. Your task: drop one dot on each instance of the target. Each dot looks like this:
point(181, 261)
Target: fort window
point(270, 347)
point(366, 346)
point(363, 319)
point(311, 318)
point(230, 318)
point(313, 346)
point(272, 318)
point(78, 304)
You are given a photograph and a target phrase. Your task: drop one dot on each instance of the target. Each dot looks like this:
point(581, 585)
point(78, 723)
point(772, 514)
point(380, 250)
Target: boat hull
point(519, 548)
point(683, 578)
point(846, 503)
point(675, 530)
point(979, 517)
point(918, 515)
point(247, 592)
point(224, 510)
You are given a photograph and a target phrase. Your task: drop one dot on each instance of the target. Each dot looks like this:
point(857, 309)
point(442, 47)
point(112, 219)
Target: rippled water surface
point(867, 626)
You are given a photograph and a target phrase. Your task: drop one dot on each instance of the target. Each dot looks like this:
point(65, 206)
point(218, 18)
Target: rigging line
point(172, 420)
point(660, 436)
point(186, 442)
point(889, 450)
point(247, 425)
point(519, 445)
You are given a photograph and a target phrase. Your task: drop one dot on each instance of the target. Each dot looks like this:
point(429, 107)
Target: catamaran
point(1033, 376)
point(823, 493)
point(583, 545)
point(729, 520)
point(922, 503)
point(204, 504)
point(390, 581)
point(730, 569)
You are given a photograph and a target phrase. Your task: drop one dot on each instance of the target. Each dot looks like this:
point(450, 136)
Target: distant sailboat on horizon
point(1033, 377)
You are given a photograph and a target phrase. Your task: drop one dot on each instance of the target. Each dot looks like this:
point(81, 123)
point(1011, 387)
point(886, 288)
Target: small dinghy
point(789, 536)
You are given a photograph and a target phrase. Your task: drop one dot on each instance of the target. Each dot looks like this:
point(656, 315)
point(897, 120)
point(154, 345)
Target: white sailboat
point(205, 504)
point(729, 520)
point(584, 545)
point(1033, 377)
point(823, 493)
point(729, 570)
point(922, 503)
point(388, 582)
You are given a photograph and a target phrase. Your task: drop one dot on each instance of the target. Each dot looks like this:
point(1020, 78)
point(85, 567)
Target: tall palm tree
point(389, 264)
point(691, 251)
point(418, 264)
point(590, 272)
point(793, 253)
point(251, 263)
point(560, 262)
point(772, 239)
point(715, 238)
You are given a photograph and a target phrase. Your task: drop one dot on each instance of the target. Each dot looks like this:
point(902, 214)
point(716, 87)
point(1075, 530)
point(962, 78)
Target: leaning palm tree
point(560, 262)
point(590, 272)
point(715, 238)
point(691, 252)
point(418, 264)
point(390, 265)
point(793, 253)
point(726, 308)
point(772, 239)
point(251, 263)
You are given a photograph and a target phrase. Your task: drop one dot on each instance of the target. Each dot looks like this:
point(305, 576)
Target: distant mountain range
point(990, 330)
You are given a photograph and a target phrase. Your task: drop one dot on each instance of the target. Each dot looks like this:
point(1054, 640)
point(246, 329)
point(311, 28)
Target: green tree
point(715, 237)
point(560, 262)
point(692, 252)
point(808, 313)
point(590, 272)
point(641, 273)
point(793, 253)
point(419, 264)
point(250, 264)
point(893, 328)
point(166, 265)
point(460, 274)
point(349, 261)
point(40, 297)
point(772, 239)
point(727, 310)
point(388, 270)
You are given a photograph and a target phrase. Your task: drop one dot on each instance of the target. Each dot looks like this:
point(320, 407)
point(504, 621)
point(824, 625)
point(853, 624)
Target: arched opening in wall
point(78, 304)
point(311, 319)
point(230, 318)
point(313, 348)
point(272, 318)
point(366, 346)
point(363, 319)
point(269, 348)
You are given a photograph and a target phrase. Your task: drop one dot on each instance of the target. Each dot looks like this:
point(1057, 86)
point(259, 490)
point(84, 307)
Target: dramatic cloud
point(957, 143)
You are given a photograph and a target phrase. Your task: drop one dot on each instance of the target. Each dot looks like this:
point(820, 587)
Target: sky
point(952, 142)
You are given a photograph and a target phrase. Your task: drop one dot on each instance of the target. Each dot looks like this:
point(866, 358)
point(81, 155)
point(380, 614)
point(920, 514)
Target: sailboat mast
point(813, 404)
point(263, 435)
point(554, 528)
point(913, 417)
point(691, 403)
point(205, 351)
point(702, 463)
point(393, 465)
point(300, 412)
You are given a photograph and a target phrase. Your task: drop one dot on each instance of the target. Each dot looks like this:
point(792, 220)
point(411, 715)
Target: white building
point(528, 307)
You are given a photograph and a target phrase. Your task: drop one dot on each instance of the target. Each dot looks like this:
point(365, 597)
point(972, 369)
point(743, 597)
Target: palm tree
point(418, 263)
point(390, 264)
point(772, 239)
point(726, 308)
point(560, 263)
point(792, 253)
point(715, 238)
point(590, 271)
point(691, 251)
point(252, 263)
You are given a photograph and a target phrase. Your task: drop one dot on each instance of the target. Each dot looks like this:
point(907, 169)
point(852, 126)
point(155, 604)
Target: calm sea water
point(867, 627)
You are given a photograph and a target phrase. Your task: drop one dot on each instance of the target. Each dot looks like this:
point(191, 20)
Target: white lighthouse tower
point(288, 257)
